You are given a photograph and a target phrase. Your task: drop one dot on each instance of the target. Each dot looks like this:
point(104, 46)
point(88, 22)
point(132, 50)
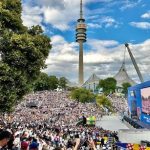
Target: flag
point(129, 146)
point(142, 147)
point(122, 145)
point(136, 146)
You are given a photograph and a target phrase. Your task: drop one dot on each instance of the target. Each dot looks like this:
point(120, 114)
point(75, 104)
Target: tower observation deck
point(81, 38)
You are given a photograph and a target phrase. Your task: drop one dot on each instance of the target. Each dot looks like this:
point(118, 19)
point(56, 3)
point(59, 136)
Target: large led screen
point(145, 94)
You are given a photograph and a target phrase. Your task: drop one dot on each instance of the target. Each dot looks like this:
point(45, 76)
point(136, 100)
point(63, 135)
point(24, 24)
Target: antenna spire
point(81, 11)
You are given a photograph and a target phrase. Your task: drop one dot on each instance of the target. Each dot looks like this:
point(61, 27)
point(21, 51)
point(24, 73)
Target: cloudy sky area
point(110, 24)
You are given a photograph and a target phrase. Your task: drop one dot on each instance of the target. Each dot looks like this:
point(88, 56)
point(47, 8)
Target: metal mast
point(81, 11)
point(81, 38)
point(134, 63)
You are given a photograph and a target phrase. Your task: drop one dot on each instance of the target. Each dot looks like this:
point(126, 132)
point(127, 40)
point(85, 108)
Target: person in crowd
point(24, 145)
point(5, 137)
point(84, 120)
point(102, 141)
point(34, 144)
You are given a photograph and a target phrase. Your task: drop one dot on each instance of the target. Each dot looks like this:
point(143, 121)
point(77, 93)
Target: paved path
point(112, 123)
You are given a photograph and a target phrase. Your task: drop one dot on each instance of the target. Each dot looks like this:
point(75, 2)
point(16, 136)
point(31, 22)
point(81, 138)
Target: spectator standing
point(4, 138)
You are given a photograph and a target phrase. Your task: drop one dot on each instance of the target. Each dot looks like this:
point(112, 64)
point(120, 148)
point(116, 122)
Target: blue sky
point(110, 23)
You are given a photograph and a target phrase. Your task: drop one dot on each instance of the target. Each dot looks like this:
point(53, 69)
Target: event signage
point(139, 102)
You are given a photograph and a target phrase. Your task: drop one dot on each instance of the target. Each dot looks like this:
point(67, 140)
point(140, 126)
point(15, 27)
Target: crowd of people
point(47, 121)
point(119, 103)
point(53, 107)
point(45, 137)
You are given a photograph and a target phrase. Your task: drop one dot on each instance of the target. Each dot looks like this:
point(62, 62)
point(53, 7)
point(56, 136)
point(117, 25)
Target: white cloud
point(57, 39)
point(97, 44)
point(104, 21)
point(126, 4)
point(108, 21)
point(59, 14)
point(94, 25)
point(101, 1)
point(31, 15)
point(56, 18)
point(146, 15)
point(142, 25)
point(104, 58)
point(51, 3)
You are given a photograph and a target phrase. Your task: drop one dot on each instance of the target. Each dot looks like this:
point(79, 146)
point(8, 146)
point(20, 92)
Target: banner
point(91, 120)
point(129, 146)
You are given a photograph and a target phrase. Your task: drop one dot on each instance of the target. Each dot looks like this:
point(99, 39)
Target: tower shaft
point(81, 38)
point(81, 79)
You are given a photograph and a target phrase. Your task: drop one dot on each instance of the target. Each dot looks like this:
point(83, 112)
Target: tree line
point(45, 82)
point(109, 85)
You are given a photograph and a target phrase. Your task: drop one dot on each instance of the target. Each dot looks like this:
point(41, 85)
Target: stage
point(112, 123)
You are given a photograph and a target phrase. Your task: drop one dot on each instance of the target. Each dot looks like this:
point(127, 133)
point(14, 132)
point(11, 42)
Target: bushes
point(82, 95)
point(103, 101)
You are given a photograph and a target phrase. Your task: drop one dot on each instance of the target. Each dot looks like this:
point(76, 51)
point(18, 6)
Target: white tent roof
point(122, 77)
point(92, 79)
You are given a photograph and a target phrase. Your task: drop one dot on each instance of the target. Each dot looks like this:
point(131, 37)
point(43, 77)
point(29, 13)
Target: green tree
point(45, 82)
point(23, 54)
point(108, 85)
point(82, 95)
point(63, 82)
point(71, 88)
point(53, 82)
point(125, 87)
point(103, 101)
point(42, 83)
